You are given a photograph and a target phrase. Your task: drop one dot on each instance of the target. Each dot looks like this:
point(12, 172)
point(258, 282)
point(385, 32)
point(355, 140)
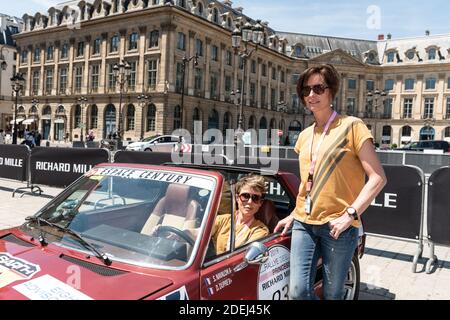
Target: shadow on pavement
point(369, 292)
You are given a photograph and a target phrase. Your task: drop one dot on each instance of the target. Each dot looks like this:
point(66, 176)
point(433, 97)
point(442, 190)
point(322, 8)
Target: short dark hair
point(329, 74)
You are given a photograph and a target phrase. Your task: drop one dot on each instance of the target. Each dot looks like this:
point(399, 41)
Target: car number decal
point(273, 279)
point(49, 288)
point(14, 269)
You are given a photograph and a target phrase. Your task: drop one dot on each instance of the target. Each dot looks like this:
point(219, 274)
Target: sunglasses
point(245, 197)
point(317, 89)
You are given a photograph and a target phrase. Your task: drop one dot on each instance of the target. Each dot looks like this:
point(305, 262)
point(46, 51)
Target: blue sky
point(361, 19)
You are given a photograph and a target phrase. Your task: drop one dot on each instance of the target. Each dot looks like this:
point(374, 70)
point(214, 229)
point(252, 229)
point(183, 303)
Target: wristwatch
point(352, 212)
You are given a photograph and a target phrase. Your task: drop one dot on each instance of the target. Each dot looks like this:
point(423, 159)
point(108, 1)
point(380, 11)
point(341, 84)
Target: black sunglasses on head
point(246, 197)
point(317, 89)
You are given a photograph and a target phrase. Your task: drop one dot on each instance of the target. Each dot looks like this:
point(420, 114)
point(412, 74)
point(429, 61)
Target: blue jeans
point(309, 243)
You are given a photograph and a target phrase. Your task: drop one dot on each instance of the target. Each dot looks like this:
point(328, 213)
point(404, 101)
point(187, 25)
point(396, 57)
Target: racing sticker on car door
point(13, 269)
point(273, 278)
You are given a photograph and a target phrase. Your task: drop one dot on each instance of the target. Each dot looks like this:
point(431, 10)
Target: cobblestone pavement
point(386, 267)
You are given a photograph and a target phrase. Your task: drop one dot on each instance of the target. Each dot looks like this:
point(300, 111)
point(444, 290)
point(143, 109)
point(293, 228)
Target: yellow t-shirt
point(243, 235)
point(338, 175)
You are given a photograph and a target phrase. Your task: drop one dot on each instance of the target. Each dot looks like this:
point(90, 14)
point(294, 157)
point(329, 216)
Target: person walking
point(2, 136)
point(37, 138)
point(335, 155)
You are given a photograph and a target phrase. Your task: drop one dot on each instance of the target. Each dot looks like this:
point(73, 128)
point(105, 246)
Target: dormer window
point(200, 9)
point(432, 54)
point(298, 51)
point(390, 57)
point(215, 15)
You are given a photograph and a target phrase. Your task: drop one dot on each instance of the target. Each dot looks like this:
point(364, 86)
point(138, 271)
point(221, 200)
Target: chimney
point(380, 37)
point(427, 32)
point(389, 36)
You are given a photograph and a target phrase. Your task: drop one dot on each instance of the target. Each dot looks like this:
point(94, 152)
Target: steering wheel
point(177, 232)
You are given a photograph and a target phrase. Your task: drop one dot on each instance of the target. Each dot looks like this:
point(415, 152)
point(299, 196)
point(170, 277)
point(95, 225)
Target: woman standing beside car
point(335, 153)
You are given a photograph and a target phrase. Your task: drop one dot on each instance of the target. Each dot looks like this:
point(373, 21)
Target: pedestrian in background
point(2, 136)
point(38, 138)
point(335, 154)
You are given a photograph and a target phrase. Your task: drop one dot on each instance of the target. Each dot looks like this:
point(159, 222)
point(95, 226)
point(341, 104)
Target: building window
point(78, 79)
point(430, 84)
point(214, 53)
point(264, 70)
point(48, 81)
point(432, 54)
point(298, 51)
point(177, 118)
point(370, 85)
point(213, 86)
point(274, 74)
point(95, 74)
point(132, 77)
point(97, 46)
point(50, 53)
point(179, 78)
point(228, 86)
point(198, 80)
point(390, 57)
point(389, 84)
point(63, 80)
point(114, 44)
point(273, 98)
point(200, 9)
point(406, 131)
point(94, 117)
point(447, 132)
point(133, 41)
point(407, 108)
point(229, 58)
point(36, 79)
point(199, 47)
point(409, 84)
point(65, 51)
point(241, 63)
point(429, 108)
point(263, 96)
point(447, 109)
point(351, 102)
point(111, 78)
point(80, 49)
point(130, 118)
point(154, 39)
point(77, 118)
point(215, 15)
point(152, 74)
point(24, 57)
point(283, 76)
point(252, 94)
point(387, 110)
point(181, 41)
point(410, 54)
point(151, 118)
point(352, 84)
point(37, 55)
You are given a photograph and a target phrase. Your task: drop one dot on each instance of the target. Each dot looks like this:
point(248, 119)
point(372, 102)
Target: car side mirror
point(257, 253)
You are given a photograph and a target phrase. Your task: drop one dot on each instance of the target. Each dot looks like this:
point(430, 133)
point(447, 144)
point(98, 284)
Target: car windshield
point(138, 216)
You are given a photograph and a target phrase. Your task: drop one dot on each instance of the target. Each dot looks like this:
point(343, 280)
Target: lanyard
point(314, 156)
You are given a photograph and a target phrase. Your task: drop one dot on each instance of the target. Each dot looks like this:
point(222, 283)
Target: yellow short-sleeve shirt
point(338, 176)
point(244, 233)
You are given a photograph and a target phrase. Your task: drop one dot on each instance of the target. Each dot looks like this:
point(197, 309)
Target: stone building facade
point(69, 53)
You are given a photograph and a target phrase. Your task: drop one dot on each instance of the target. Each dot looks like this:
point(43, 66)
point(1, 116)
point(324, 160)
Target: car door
point(229, 277)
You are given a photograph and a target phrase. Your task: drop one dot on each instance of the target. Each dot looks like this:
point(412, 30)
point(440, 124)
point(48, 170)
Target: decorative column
point(140, 86)
point(86, 73)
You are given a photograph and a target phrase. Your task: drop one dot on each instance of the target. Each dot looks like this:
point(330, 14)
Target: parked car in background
point(427, 145)
point(164, 143)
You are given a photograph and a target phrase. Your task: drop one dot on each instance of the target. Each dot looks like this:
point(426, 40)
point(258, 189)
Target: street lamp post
point(34, 102)
point(142, 101)
point(185, 61)
point(17, 84)
point(246, 35)
point(122, 73)
point(375, 96)
point(82, 101)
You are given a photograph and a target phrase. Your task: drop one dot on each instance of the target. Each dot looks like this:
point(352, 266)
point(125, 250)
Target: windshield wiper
point(101, 255)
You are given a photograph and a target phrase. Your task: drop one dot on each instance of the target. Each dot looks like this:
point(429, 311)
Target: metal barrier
point(438, 209)
point(61, 166)
point(13, 161)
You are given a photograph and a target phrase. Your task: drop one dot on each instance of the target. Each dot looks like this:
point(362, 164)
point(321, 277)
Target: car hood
point(43, 273)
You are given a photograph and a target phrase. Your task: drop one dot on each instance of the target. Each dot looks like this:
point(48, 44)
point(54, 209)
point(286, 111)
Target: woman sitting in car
point(250, 191)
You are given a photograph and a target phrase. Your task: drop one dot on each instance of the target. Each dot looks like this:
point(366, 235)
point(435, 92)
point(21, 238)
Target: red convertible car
point(98, 239)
